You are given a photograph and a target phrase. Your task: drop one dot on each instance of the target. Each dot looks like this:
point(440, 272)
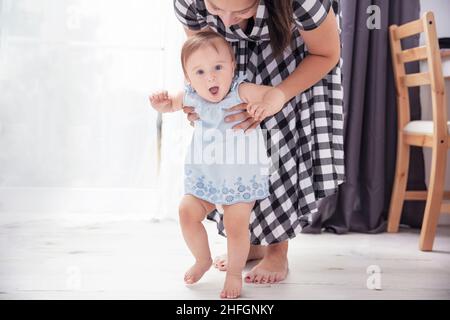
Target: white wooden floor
point(51, 259)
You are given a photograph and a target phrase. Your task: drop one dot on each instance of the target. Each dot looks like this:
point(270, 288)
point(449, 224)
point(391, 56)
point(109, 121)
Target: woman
point(295, 46)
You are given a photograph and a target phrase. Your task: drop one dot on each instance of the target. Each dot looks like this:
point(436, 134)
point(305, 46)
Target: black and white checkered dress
point(309, 127)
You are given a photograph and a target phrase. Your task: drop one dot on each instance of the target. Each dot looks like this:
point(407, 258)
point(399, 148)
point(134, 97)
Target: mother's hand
point(247, 122)
point(191, 114)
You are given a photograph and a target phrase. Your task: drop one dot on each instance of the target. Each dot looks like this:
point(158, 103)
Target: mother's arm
point(324, 49)
point(324, 53)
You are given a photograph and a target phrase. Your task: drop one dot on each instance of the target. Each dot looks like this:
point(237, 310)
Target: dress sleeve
point(309, 14)
point(235, 86)
point(237, 81)
point(189, 98)
point(187, 13)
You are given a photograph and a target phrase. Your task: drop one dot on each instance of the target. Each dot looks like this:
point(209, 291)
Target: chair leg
point(399, 189)
point(434, 199)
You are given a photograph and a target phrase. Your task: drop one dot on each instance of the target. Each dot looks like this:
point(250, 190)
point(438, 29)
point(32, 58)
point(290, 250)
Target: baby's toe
point(189, 278)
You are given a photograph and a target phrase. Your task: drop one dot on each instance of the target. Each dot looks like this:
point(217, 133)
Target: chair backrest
point(433, 77)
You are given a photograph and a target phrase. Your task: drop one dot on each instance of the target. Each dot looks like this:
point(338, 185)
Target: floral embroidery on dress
point(229, 192)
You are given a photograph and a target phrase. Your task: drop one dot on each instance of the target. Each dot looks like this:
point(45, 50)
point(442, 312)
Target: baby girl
point(209, 67)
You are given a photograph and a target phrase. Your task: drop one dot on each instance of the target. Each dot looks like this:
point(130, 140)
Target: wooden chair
point(434, 134)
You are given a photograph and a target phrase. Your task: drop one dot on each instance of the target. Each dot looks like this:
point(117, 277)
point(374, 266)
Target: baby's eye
point(199, 72)
point(219, 67)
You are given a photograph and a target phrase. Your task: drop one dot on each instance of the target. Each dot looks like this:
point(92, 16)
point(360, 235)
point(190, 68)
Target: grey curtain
point(362, 203)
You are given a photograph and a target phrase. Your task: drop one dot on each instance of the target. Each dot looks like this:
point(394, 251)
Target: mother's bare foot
point(232, 286)
point(197, 271)
point(270, 269)
point(255, 253)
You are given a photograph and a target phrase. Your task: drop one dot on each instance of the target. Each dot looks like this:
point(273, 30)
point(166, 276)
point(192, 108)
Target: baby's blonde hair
point(200, 40)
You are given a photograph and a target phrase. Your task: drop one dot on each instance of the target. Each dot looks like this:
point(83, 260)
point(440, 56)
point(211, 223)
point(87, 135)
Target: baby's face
point(210, 71)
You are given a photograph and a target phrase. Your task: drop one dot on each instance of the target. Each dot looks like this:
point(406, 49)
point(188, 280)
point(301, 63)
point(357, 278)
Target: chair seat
point(422, 127)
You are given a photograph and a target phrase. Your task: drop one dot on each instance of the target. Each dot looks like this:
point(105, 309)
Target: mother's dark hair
point(279, 21)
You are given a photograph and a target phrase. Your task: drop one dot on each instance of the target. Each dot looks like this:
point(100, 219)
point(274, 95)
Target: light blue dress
point(224, 166)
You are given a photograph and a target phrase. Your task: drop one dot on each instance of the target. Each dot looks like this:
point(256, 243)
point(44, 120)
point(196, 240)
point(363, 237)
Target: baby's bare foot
point(232, 286)
point(255, 253)
point(197, 271)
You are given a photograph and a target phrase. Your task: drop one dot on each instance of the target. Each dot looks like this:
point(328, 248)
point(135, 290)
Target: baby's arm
point(263, 101)
point(250, 92)
point(162, 102)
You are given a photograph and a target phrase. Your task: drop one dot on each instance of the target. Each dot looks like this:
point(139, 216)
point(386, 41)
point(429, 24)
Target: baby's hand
point(271, 104)
point(161, 101)
point(258, 110)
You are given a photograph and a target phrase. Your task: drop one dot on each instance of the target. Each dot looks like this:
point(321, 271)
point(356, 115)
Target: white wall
point(77, 134)
point(441, 9)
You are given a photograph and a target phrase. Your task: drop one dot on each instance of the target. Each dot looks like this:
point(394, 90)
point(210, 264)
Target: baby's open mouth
point(214, 90)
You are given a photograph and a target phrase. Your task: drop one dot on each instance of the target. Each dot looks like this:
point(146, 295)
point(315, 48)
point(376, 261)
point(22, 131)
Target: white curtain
point(77, 135)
